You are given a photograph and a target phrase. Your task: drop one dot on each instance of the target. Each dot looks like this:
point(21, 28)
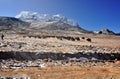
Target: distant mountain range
point(105, 31)
point(33, 20)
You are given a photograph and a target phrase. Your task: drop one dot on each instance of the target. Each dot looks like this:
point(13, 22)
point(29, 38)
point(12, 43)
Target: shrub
point(83, 37)
point(88, 39)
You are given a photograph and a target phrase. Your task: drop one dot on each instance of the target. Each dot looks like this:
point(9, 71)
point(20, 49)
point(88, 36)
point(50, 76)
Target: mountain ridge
point(34, 16)
point(11, 22)
point(105, 32)
point(31, 20)
point(15, 24)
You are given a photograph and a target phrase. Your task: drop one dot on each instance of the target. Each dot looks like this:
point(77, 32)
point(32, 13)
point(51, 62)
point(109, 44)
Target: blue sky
point(90, 14)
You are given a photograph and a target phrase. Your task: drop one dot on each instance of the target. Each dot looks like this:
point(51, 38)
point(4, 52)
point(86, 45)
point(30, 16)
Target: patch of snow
point(96, 32)
point(42, 65)
point(72, 58)
point(72, 22)
point(83, 58)
point(79, 59)
point(94, 59)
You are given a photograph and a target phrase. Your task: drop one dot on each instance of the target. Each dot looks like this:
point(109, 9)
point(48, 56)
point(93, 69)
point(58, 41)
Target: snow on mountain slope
point(34, 16)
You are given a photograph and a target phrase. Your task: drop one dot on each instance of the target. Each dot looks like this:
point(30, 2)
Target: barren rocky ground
point(65, 72)
point(60, 43)
point(56, 56)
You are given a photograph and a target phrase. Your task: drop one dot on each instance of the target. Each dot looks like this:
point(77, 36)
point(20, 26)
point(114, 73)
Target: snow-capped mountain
point(34, 16)
point(105, 31)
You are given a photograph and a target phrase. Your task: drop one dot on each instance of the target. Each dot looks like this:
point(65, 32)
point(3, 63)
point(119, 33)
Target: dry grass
point(67, 73)
point(56, 45)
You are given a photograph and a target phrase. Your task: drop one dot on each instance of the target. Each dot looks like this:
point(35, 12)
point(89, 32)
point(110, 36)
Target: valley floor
point(71, 44)
point(57, 43)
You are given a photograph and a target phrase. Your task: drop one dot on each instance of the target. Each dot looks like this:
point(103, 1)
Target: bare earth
point(67, 73)
point(99, 43)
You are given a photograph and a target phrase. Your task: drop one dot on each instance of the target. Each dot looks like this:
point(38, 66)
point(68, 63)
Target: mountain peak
point(29, 16)
point(105, 31)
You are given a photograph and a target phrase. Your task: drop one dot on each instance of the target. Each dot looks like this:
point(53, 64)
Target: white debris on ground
point(42, 65)
point(82, 59)
point(94, 59)
point(14, 77)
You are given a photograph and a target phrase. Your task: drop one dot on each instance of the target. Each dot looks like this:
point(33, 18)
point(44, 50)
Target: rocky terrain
point(42, 46)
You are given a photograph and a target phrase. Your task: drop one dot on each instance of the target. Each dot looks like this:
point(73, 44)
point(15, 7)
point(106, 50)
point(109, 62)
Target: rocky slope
point(50, 22)
point(61, 24)
point(12, 23)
